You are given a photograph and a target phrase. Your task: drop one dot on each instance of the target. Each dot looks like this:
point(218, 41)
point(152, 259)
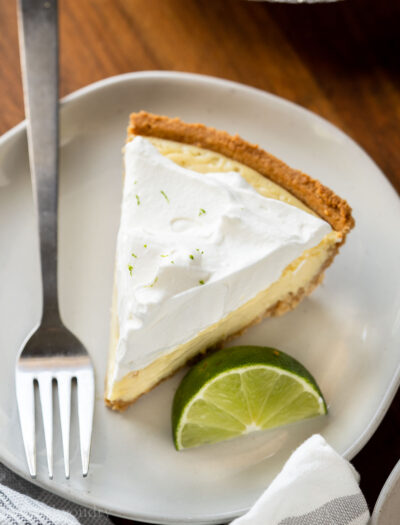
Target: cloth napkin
point(315, 487)
point(40, 507)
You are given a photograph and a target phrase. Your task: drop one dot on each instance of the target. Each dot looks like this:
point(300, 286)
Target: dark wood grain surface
point(340, 60)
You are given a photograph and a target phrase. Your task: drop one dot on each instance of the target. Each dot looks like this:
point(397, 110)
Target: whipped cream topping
point(191, 249)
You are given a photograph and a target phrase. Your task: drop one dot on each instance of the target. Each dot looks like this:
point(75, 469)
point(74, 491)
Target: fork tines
point(31, 371)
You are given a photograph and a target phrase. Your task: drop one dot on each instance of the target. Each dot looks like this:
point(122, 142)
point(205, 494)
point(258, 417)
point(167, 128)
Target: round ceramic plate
point(347, 333)
point(387, 508)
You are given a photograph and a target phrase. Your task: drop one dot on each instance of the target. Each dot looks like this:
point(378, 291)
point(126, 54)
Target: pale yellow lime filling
point(295, 277)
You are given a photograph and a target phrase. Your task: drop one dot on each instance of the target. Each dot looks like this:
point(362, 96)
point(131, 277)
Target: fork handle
point(38, 32)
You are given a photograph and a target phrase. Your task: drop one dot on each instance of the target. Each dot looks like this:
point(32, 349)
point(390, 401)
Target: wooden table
point(341, 60)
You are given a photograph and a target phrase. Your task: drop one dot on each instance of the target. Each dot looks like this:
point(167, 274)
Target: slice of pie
point(215, 235)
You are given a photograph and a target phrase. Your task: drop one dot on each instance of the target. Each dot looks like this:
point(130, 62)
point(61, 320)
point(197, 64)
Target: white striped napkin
point(40, 507)
point(315, 487)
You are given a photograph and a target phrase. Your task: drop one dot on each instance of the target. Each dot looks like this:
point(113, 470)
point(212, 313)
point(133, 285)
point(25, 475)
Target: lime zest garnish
point(144, 245)
point(133, 255)
point(202, 211)
point(153, 283)
point(201, 281)
point(130, 268)
point(191, 257)
point(137, 199)
point(166, 255)
point(164, 195)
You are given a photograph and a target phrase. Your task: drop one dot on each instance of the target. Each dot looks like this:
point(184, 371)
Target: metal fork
point(51, 353)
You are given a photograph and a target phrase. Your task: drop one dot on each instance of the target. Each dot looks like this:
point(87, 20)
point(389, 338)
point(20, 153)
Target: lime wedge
point(240, 390)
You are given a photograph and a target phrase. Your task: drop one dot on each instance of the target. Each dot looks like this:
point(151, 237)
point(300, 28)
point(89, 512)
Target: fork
point(51, 353)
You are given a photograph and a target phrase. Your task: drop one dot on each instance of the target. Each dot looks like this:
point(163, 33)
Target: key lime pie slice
point(215, 235)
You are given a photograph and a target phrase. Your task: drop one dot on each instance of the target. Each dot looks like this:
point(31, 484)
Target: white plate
point(387, 508)
point(347, 333)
